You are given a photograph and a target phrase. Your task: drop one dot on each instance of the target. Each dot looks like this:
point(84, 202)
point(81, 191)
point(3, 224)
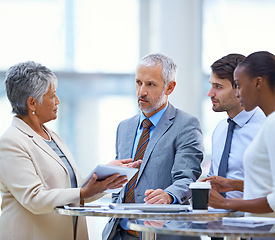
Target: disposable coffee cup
point(200, 194)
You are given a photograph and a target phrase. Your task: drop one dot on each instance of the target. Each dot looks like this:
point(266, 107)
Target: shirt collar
point(154, 119)
point(243, 117)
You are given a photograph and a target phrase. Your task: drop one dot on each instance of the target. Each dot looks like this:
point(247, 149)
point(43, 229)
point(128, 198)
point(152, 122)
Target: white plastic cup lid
point(200, 185)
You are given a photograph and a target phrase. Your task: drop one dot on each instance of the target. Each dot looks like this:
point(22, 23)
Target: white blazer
point(33, 181)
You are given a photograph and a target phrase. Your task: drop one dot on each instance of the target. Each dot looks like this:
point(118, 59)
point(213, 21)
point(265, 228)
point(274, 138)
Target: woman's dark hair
point(224, 67)
point(260, 64)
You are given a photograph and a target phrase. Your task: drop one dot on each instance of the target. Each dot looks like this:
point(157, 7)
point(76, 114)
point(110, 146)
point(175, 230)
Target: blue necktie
point(224, 160)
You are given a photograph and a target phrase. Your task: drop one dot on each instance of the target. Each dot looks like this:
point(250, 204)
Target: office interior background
point(93, 46)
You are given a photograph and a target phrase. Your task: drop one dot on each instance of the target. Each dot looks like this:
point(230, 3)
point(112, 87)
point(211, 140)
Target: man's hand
point(125, 163)
point(154, 223)
point(157, 196)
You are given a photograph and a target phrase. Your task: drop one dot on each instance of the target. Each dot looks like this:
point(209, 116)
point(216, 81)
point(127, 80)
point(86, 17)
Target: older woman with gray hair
point(37, 170)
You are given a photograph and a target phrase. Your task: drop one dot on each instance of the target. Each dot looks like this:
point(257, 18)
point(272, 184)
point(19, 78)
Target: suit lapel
point(68, 155)
point(47, 149)
point(163, 125)
point(130, 136)
point(63, 149)
point(22, 126)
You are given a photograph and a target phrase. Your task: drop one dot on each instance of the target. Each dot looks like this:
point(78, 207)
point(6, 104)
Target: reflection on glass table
point(156, 229)
point(187, 215)
point(110, 211)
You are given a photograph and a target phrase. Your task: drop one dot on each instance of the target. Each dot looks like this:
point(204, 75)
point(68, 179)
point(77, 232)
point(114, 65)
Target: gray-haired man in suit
point(175, 149)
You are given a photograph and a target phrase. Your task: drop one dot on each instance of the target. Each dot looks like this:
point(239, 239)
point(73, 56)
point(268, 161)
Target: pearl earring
point(33, 112)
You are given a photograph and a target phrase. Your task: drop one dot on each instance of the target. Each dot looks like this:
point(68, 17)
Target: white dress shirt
point(247, 126)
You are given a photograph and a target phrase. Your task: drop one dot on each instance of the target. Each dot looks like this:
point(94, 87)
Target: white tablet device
point(104, 171)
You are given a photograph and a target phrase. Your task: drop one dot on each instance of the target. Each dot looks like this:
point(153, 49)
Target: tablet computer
point(104, 171)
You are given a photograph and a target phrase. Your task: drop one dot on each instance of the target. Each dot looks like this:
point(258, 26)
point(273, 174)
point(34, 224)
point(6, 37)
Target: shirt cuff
point(123, 223)
point(175, 200)
point(271, 200)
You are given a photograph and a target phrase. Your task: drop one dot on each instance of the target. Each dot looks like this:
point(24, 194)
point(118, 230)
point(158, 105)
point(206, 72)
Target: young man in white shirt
point(247, 124)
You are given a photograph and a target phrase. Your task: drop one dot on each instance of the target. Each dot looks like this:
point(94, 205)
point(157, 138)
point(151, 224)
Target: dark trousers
point(121, 234)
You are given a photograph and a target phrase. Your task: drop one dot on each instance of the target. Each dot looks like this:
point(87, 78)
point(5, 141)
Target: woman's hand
point(125, 163)
point(222, 184)
point(216, 200)
point(258, 205)
point(94, 187)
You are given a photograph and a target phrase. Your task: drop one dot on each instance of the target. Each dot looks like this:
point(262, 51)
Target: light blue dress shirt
point(154, 120)
point(247, 126)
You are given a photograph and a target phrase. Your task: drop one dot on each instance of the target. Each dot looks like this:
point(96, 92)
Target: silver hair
point(169, 68)
point(27, 79)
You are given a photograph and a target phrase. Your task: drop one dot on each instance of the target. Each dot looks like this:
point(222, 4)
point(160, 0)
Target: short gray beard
point(161, 100)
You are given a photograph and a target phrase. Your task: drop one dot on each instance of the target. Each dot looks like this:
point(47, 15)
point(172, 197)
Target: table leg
point(148, 236)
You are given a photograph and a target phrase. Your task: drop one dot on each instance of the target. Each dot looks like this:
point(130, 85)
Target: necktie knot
point(231, 125)
point(147, 123)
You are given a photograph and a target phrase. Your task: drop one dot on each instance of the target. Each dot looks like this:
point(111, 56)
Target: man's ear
point(31, 104)
point(170, 87)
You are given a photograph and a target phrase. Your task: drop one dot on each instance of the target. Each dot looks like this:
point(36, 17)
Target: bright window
point(232, 26)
